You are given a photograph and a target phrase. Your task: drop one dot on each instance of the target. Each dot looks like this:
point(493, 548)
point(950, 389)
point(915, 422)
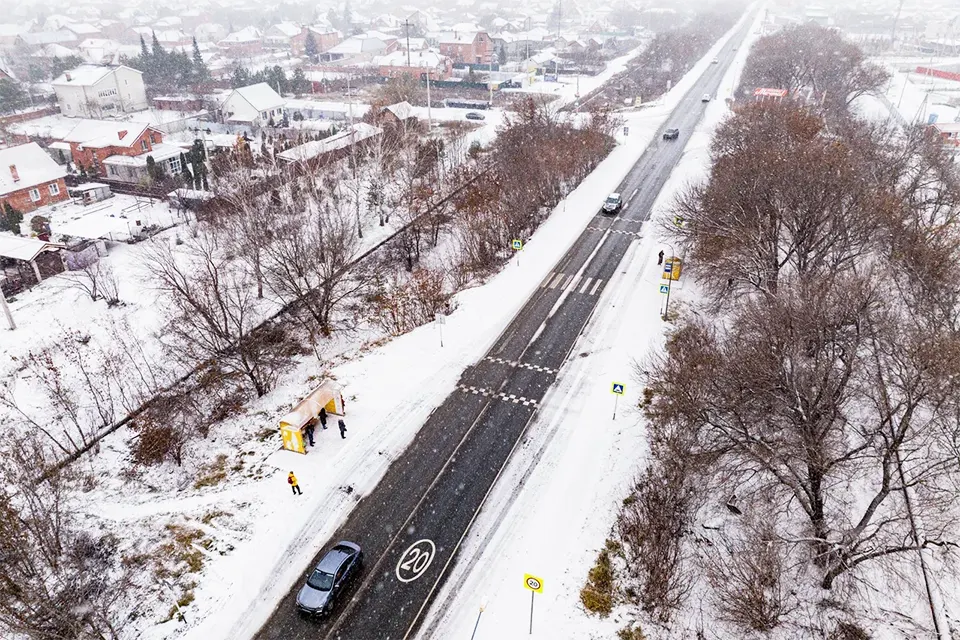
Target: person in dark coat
point(309, 430)
point(660, 258)
point(343, 428)
point(323, 417)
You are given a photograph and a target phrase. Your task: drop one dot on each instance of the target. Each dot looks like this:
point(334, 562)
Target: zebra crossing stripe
point(521, 365)
point(596, 286)
point(556, 281)
point(573, 283)
point(546, 280)
point(586, 284)
point(515, 399)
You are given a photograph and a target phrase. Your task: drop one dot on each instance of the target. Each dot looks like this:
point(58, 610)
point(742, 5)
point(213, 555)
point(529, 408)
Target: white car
point(716, 61)
point(705, 98)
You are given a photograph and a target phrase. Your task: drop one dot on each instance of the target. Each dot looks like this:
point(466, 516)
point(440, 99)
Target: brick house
point(29, 178)
point(243, 43)
point(326, 38)
point(471, 47)
point(136, 140)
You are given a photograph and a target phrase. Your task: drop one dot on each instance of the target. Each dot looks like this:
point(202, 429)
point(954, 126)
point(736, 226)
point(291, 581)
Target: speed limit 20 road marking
point(415, 560)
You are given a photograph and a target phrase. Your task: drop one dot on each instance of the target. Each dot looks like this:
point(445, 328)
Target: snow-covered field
point(554, 508)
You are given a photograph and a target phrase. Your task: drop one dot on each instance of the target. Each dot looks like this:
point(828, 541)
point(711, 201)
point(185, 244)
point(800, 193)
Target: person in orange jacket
point(292, 481)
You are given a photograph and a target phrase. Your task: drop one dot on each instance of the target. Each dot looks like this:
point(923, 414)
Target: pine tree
point(310, 46)
point(10, 219)
point(299, 84)
point(240, 78)
point(144, 52)
point(347, 16)
point(201, 73)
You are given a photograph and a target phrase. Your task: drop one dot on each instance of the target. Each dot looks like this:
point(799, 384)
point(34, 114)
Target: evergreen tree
point(144, 52)
point(502, 55)
point(310, 46)
point(197, 154)
point(347, 16)
point(299, 84)
point(185, 169)
point(158, 51)
point(240, 78)
point(201, 73)
point(10, 219)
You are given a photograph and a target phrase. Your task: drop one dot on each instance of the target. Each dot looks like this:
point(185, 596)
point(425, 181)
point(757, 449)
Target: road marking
point(521, 365)
point(487, 393)
point(574, 282)
point(546, 280)
point(556, 281)
point(620, 231)
point(415, 560)
point(595, 286)
point(586, 284)
point(566, 282)
point(635, 192)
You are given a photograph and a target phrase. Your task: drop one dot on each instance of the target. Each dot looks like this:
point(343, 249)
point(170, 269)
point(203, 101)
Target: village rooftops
point(260, 96)
point(159, 153)
point(25, 166)
point(86, 75)
point(350, 136)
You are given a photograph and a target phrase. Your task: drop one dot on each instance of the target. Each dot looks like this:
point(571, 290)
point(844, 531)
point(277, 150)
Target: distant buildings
point(466, 45)
point(326, 38)
point(94, 91)
point(243, 43)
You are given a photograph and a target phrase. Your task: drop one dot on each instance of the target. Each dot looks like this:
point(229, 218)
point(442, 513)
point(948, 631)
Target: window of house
point(54, 189)
point(143, 145)
point(156, 138)
point(264, 115)
point(113, 171)
point(35, 195)
point(175, 166)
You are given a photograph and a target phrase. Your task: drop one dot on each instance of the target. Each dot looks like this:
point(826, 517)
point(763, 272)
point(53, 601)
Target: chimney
point(14, 174)
point(67, 74)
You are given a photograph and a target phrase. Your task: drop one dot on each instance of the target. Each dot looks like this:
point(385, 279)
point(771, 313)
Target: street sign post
point(441, 320)
point(517, 245)
point(664, 288)
point(678, 221)
point(535, 585)
point(617, 389)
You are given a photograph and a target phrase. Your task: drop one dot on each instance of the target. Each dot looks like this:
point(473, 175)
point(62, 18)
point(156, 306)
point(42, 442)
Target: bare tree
point(215, 311)
point(58, 581)
point(97, 280)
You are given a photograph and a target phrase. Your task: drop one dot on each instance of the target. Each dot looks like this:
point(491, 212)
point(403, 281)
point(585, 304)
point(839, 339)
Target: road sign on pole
point(678, 221)
point(664, 288)
point(516, 245)
point(535, 585)
point(617, 389)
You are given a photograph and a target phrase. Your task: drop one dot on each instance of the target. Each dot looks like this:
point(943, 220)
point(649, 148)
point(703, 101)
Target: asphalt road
point(411, 525)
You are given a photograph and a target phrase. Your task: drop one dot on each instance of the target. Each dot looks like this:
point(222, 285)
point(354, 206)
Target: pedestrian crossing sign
point(664, 288)
point(517, 245)
point(618, 388)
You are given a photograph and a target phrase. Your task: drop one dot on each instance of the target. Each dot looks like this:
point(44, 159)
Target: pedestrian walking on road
point(292, 481)
point(343, 428)
point(309, 429)
point(323, 417)
point(660, 257)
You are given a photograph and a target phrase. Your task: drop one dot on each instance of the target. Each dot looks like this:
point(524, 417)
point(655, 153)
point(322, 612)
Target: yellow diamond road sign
point(533, 583)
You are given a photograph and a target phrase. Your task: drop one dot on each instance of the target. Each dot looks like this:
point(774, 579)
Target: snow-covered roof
point(426, 59)
point(33, 167)
point(159, 153)
point(457, 37)
point(169, 21)
point(54, 51)
point(82, 29)
point(87, 75)
point(260, 96)
point(24, 248)
point(247, 34)
point(363, 43)
point(123, 135)
point(402, 110)
point(48, 37)
point(288, 29)
point(8, 30)
point(347, 137)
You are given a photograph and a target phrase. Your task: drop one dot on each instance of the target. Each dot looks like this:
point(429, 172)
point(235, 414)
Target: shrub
point(597, 594)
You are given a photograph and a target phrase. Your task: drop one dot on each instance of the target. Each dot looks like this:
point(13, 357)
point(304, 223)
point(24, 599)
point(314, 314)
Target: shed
point(42, 256)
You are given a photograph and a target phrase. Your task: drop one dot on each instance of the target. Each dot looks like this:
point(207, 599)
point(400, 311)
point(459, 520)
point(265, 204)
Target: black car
point(330, 577)
point(671, 134)
point(473, 115)
point(613, 203)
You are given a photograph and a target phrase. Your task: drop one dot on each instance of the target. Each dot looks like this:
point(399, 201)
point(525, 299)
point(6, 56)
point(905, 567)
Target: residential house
point(331, 148)
point(470, 47)
point(245, 42)
point(29, 178)
point(415, 63)
point(396, 115)
point(256, 105)
point(280, 35)
point(362, 47)
point(42, 38)
point(210, 32)
point(92, 91)
point(83, 31)
point(122, 154)
point(9, 33)
point(325, 37)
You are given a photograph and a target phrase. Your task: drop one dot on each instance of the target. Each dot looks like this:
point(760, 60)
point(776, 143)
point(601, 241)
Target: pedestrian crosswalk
point(521, 365)
point(577, 283)
point(507, 397)
point(623, 232)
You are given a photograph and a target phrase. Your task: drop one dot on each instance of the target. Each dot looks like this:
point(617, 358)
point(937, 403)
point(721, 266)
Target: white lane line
point(586, 284)
point(634, 192)
point(556, 281)
point(566, 282)
point(596, 286)
point(546, 280)
point(574, 282)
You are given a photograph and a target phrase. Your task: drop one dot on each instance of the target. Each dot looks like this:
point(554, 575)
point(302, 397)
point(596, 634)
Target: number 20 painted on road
point(415, 560)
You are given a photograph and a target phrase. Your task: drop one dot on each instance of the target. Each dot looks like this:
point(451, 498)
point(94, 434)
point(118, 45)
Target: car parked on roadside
point(329, 578)
point(671, 134)
point(473, 115)
point(613, 203)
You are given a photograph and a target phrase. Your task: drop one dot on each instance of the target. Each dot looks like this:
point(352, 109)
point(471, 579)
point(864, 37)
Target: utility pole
point(490, 79)
point(6, 311)
point(406, 23)
point(429, 112)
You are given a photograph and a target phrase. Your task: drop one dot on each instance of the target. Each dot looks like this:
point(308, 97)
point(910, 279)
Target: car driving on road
point(473, 115)
point(716, 61)
point(671, 134)
point(613, 203)
point(329, 578)
point(705, 98)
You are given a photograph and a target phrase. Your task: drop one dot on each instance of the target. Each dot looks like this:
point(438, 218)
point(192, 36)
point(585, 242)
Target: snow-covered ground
point(913, 99)
point(554, 508)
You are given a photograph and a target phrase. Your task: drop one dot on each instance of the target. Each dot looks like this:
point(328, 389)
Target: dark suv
point(671, 134)
point(613, 203)
point(330, 577)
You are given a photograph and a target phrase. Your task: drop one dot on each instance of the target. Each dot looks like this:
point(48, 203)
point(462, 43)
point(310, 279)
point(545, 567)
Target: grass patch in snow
point(180, 551)
point(631, 633)
point(213, 474)
point(597, 594)
point(210, 516)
